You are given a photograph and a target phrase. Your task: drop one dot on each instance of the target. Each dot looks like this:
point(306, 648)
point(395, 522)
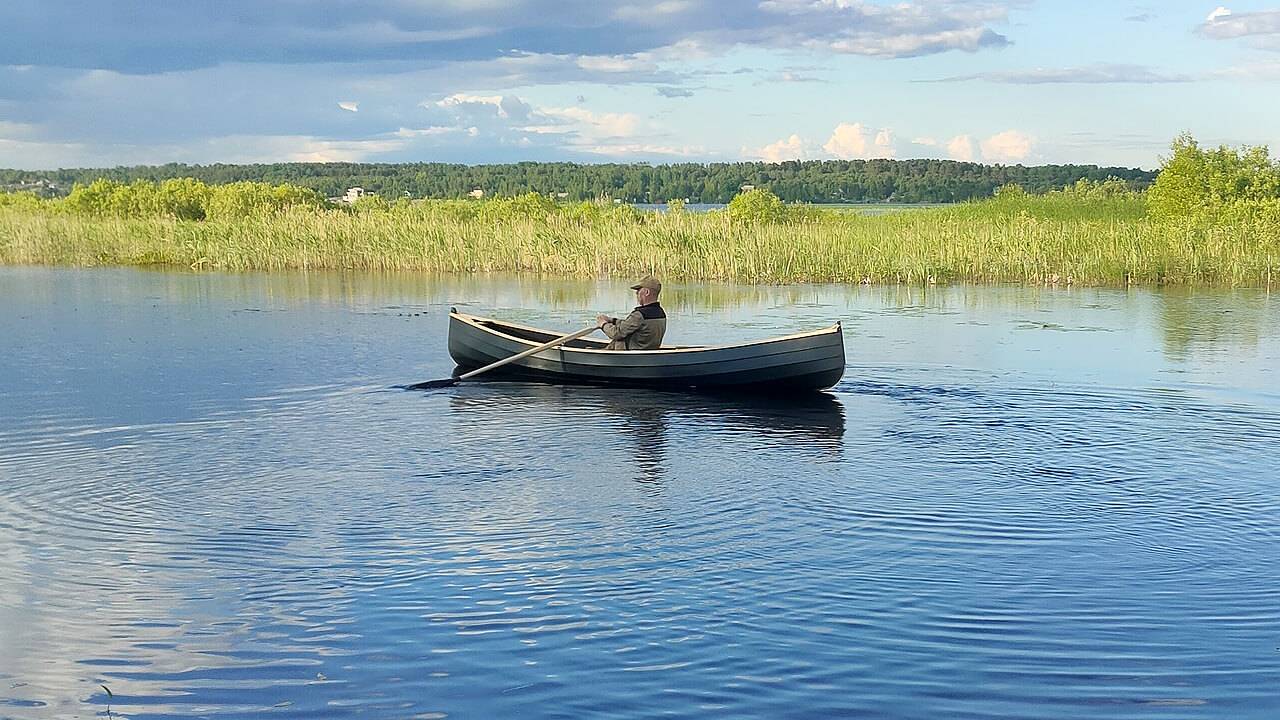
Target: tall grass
point(1061, 238)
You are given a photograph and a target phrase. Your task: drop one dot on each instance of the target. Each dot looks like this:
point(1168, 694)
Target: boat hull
point(807, 361)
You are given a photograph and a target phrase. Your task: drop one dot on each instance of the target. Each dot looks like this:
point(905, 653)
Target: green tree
point(1194, 180)
point(757, 205)
point(184, 198)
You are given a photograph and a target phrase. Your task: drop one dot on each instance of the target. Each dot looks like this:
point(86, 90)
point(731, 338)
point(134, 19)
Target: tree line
point(817, 181)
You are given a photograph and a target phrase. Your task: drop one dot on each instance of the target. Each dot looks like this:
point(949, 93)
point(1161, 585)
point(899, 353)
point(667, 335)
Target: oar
point(430, 384)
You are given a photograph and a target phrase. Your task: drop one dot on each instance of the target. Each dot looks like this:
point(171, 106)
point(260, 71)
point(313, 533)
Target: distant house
point(748, 188)
point(353, 194)
point(477, 193)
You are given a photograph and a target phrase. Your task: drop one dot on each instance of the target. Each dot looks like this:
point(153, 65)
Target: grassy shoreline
point(1026, 239)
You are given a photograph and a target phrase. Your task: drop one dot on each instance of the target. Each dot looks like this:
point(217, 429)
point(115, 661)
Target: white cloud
point(509, 120)
point(856, 141)
point(1222, 24)
point(16, 131)
point(1100, 73)
point(791, 148)
point(912, 45)
point(615, 63)
point(596, 125)
point(230, 149)
point(895, 31)
point(962, 147)
point(1008, 147)
point(430, 131)
point(350, 106)
point(626, 149)
point(314, 150)
point(503, 106)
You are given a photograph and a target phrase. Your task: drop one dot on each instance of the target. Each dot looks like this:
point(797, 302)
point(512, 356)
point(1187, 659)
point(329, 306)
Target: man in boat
point(644, 327)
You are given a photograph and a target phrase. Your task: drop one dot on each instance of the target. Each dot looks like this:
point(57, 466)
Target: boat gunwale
point(476, 321)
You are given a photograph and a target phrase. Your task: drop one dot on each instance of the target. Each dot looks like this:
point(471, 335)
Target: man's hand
point(601, 320)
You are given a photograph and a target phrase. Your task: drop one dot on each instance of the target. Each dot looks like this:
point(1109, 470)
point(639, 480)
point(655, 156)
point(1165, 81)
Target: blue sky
point(476, 81)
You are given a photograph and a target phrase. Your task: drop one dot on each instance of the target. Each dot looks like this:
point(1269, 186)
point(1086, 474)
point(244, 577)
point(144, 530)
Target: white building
point(353, 194)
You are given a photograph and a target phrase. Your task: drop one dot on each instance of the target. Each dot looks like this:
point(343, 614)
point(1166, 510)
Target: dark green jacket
point(641, 330)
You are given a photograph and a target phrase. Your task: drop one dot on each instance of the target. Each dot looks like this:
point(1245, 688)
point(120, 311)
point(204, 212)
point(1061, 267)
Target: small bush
point(756, 207)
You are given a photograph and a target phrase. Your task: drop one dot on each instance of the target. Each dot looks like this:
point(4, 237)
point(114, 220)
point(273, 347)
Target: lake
point(1018, 503)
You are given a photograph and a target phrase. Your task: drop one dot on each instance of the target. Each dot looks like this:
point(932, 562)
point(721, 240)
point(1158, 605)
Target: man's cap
point(650, 282)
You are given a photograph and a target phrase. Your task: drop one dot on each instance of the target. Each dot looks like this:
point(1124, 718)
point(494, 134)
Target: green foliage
point(1010, 191)
point(1056, 238)
point(1214, 218)
point(757, 206)
point(184, 198)
point(28, 201)
point(93, 199)
point(252, 199)
point(530, 205)
point(1111, 188)
point(1194, 181)
point(370, 204)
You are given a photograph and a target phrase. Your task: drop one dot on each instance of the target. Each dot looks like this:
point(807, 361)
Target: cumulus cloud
point(857, 141)
point(464, 103)
point(1103, 73)
point(510, 121)
point(790, 148)
point(963, 148)
point(1008, 147)
point(350, 106)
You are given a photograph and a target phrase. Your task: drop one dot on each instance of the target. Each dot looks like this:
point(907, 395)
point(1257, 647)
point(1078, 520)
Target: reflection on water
point(812, 422)
point(1019, 502)
point(1224, 321)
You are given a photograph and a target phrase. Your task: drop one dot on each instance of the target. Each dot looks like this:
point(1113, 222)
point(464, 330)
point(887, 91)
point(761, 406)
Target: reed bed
point(1029, 240)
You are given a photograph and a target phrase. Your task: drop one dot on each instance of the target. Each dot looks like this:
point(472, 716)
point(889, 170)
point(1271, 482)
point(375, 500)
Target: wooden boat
point(804, 361)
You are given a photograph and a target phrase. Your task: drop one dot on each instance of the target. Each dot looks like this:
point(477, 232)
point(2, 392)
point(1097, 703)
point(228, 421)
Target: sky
point(97, 83)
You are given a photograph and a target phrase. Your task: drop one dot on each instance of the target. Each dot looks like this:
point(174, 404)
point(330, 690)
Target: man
point(644, 327)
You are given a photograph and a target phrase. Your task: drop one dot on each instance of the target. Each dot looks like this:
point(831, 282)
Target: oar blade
point(432, 384)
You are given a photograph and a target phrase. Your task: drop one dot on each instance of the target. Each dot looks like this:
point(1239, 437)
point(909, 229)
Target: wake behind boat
point(804, 361)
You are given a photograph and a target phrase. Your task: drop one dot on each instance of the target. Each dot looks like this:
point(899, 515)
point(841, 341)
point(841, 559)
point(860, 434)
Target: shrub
point(757, 206)
point(1194, 181)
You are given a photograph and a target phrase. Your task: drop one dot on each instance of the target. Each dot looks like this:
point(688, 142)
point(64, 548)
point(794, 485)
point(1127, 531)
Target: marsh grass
point(1055, 239)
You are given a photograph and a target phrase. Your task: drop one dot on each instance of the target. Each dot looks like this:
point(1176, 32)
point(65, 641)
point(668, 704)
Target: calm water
point(1019, 503)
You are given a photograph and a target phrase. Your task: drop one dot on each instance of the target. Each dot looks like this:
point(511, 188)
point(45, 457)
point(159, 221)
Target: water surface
point(1018, 503)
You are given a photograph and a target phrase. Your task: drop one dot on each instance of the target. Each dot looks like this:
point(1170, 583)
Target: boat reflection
point(649, 419)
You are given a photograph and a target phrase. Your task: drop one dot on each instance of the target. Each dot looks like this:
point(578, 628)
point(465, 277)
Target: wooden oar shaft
point(544, 346)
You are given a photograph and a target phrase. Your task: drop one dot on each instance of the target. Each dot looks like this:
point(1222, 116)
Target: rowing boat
point(803, 361)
